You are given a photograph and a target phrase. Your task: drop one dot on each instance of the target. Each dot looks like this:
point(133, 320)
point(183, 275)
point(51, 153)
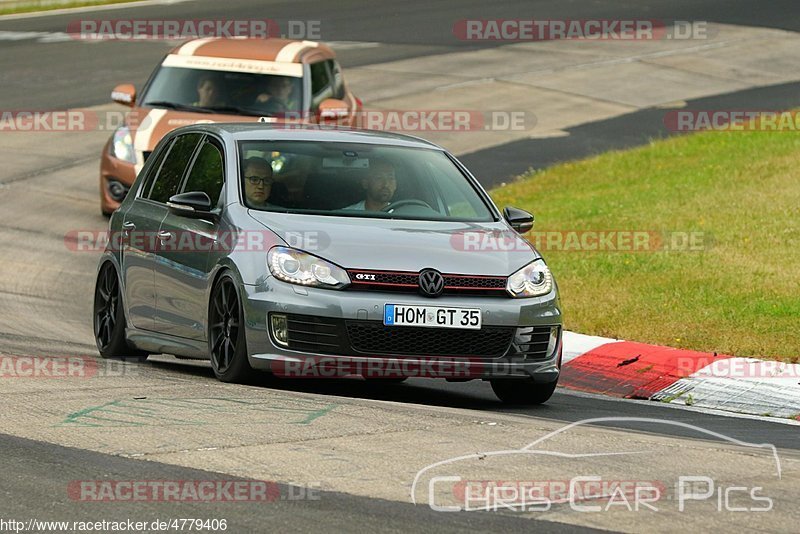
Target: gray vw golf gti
point(307, 251)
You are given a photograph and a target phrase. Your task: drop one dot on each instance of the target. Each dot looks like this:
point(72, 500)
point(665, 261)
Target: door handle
point(164, 236)
point(127, 228)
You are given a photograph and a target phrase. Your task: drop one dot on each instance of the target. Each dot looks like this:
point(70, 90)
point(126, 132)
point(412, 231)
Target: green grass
point(739, 294)
point(33, 6)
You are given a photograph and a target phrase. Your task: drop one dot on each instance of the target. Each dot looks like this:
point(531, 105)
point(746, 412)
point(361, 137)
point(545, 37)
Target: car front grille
point(408, 282)
point(457, 281)
point(322, 335)
point(372, 337)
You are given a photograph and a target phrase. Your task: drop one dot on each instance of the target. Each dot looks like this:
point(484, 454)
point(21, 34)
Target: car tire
point(523, 391)
point(227, 345)
point(108, 318)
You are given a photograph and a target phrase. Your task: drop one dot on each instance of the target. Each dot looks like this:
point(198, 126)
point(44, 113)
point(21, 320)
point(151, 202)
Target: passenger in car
point(380, 186)
point(257, 182)
point(277, 95)
point(209, 91)
point(290, 189)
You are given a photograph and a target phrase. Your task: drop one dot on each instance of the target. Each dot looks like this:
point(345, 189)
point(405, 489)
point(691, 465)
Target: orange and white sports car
point(222, 80)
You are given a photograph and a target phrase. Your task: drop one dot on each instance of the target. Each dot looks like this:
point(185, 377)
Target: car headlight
point(122, 145)
point(296, 267)
point(533, 280)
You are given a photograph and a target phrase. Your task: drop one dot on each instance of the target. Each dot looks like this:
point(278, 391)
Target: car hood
point(149, 125)
point(403, 245)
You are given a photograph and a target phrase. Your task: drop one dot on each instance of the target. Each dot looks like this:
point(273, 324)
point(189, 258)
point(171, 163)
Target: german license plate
point(431, 316)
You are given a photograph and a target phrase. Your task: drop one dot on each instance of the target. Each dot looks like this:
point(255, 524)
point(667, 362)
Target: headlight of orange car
point(122, 145)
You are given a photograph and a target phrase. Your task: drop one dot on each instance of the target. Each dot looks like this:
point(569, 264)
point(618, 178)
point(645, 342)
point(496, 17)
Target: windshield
point(357, 180)
point(212, 91)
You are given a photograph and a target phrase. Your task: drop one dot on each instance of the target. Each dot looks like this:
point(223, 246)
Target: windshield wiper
point(177, 107)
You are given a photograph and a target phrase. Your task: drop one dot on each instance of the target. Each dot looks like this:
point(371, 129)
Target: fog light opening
point(552, 343)
point(280, 329)
point(117, 190)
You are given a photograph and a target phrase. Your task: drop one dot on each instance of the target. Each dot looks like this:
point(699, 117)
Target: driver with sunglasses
point(257, 182)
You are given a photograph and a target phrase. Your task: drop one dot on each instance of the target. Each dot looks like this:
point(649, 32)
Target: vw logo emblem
point(431, 282)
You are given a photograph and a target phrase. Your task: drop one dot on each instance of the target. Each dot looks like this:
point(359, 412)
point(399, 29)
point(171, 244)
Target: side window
point(338, 79)
point(152, 171)
point(321, 87)
point(207, 173)
point(169, 179)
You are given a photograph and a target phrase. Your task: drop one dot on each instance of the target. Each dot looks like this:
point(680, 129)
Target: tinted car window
point(152, 171)
point(358, 180)
point(234, 93)
point(321, 87)
point(169, 178)
point(338, 80)
point(207, 173)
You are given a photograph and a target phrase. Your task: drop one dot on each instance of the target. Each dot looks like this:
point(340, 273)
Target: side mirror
point(520, 220)
point(125, 94)
point(332, 109)
point(195, 204)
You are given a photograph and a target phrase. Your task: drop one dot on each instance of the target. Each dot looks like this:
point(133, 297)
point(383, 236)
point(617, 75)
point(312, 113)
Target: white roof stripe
point(290, 51)
point(191, 47)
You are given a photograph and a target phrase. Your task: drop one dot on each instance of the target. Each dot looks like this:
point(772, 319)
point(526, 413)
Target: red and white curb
point(701, 379)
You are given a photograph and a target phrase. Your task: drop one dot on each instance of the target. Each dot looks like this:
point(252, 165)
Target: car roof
point(249, 131)
point(279, 50)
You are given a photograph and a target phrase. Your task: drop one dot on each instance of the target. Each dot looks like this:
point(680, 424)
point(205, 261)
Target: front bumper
point(360, 308)
point(113, 170)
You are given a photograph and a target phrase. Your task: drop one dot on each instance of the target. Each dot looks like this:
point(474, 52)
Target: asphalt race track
point(360, 445)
